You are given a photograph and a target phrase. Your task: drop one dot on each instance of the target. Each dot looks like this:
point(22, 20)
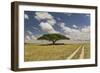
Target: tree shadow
point(51, 44)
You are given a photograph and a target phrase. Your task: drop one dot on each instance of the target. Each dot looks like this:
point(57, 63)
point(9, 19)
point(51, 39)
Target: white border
point(23, 64)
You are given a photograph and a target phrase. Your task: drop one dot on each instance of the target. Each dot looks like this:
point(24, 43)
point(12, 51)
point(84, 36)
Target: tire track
point(82, 53)
point(74, 53)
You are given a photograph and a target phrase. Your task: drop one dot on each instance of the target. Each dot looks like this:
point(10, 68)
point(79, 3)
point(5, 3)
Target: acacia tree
point(53, 37)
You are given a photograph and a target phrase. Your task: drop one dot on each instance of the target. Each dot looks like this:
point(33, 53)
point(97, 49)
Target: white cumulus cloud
point(33, 37)
point(26, 16)
point(51, 21)
point(29, 37)
point(75, 26)
point(46, 27)
point(29, 32)
point(86, 29)
point(87, 15)
point(76, 34)
point(45, 16)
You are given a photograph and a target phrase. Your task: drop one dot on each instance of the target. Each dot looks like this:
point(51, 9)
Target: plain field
point(36, 52)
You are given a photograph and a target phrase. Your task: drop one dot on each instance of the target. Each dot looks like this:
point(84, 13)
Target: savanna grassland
point(36, 52)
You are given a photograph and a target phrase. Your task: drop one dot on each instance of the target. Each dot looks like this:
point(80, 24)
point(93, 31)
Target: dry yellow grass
point(34, 52)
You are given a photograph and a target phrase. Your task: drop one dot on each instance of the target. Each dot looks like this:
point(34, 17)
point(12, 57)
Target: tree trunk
point(53, 42)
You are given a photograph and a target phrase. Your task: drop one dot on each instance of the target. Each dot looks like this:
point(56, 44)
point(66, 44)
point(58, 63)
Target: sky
point(73, 25)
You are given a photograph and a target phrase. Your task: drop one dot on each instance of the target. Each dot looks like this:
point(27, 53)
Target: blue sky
point(37, 23)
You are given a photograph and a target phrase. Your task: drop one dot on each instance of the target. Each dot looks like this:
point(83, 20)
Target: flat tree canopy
point(53, 37)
